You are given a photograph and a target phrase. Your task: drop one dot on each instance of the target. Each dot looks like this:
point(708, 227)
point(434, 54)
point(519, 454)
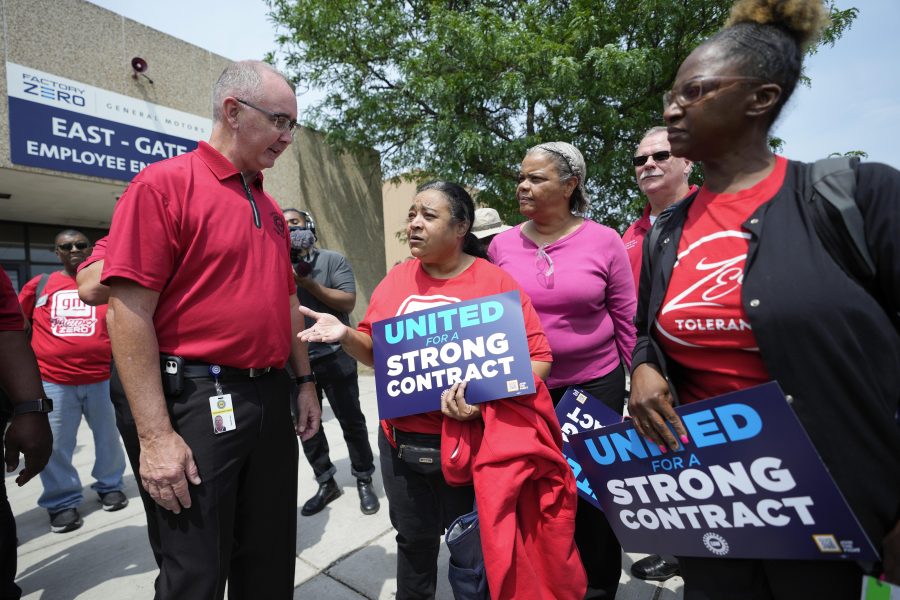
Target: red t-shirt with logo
point(10, 314)
point(408, 288)
point(69, 337)
point(186, 229)
point(702, 324)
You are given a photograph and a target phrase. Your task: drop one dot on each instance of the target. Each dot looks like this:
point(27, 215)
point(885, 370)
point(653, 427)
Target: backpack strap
point(831, 199)
point(831, 196)
point(41, 285)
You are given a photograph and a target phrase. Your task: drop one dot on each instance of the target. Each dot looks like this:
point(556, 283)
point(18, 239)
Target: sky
point(853, 102)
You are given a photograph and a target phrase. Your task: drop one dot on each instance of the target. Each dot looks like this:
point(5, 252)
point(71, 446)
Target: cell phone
point(172, 369)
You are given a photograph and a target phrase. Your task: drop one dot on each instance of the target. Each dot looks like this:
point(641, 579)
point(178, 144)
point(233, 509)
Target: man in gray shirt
point(325, 283)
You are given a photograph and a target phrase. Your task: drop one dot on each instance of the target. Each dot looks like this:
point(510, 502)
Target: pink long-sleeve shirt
point(586, 302)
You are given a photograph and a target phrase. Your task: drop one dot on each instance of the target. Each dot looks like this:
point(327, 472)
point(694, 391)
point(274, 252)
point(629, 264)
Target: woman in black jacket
point(754, 295)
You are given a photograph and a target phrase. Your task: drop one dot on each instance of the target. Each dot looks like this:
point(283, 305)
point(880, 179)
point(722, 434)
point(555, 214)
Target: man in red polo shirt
point(22, 400)
point(202, 306)
point(663, 178)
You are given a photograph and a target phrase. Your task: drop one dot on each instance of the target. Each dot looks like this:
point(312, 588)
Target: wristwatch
point(42, 405)
point(308, 378)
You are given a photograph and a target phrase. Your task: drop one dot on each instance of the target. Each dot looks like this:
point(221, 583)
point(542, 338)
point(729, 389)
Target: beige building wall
point(397, 198)
point(81, 41)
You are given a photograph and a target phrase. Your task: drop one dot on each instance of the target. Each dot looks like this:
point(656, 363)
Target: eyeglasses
point(543, 262)
point(693, 91)
point(661, 156)
point(67, 247)
point(282, 122)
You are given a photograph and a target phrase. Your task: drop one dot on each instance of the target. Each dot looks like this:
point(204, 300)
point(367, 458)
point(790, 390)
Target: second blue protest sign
point(419, 355)
point(747, 484)
point(578, 412)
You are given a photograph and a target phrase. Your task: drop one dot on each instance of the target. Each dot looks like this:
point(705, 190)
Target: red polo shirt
point(186, 229)
point(98, 253)
point(634, 243)
point(634, 240)
point(10, 313)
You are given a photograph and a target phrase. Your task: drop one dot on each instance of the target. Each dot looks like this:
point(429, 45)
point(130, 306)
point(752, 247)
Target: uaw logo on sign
point(65, 125)
point(747, 484)
point(70, 317)
point(438, 341)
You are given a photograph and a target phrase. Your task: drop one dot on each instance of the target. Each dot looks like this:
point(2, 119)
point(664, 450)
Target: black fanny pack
point(421, 451)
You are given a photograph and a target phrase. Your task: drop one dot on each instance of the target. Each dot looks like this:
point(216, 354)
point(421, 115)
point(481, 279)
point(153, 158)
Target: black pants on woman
point(421, 508)
point(600, 551)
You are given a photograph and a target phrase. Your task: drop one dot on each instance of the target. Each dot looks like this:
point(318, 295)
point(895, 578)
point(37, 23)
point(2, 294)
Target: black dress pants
point(601, 553)
point(242, 524)
point(8, 540)
point(421, 508)
point(336, 377)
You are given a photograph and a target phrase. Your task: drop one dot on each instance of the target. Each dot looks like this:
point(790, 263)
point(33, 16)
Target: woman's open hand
point(327, 328)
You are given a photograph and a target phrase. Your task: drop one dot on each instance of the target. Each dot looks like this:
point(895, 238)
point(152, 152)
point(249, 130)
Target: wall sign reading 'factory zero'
point(748, 484)
point(64, 125)
point(419, 355)
point(578, 412)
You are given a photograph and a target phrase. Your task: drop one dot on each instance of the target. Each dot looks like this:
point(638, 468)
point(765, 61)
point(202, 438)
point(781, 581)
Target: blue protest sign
point(748, 484)
point(419, 355)
point(578, 412)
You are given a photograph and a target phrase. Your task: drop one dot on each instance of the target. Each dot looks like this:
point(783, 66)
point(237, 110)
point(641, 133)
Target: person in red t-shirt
point(72, 349)
point(743, 288)
point(202, 306)
point(663, 178)
point(23, 400)
point(448, 266)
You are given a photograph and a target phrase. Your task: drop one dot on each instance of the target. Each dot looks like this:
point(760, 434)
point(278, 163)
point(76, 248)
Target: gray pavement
point(341, 553)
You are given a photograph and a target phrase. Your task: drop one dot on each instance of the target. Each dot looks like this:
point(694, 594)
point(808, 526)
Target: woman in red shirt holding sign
point(523, 484)
point(739, 289)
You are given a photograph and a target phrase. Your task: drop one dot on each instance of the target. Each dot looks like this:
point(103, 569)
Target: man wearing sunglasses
point(203, 316)
point(663, 178)
point(71, 344)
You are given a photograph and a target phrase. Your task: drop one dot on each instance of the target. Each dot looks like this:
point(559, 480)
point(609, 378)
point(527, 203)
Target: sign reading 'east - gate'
point(65, 125)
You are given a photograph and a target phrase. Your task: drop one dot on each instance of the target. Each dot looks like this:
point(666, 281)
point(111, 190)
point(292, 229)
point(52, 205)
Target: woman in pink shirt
point(578, 276)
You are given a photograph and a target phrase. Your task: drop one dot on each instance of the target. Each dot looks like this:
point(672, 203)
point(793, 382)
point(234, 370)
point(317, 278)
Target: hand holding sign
point(650, 407)
point(327, 328)
point(454, 405)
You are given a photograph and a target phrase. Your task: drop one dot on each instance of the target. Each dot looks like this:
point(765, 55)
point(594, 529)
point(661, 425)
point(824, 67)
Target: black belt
point(199, 370)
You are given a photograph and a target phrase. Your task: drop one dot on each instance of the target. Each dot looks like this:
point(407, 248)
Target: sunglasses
point(640, 161)
point(67, 247)
point(281, 121)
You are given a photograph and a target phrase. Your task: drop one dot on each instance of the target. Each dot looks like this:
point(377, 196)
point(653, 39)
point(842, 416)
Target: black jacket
point(825, 339)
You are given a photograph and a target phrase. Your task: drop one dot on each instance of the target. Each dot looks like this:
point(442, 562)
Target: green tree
point(460, 89)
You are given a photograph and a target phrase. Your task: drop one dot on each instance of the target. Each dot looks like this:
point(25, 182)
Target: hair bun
point(804, 19)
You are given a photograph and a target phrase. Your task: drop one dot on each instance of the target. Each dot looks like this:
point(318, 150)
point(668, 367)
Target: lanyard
point(215, 371)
